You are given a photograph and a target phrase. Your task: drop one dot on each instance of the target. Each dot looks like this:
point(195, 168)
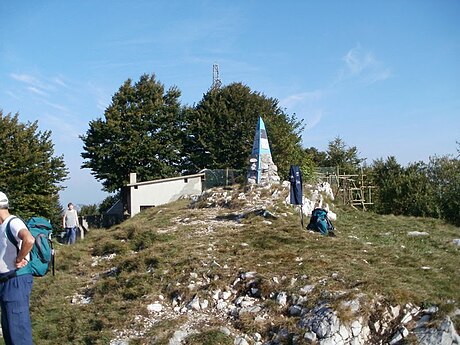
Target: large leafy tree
point(221, 130)
point(30, 174)
point(141, 132)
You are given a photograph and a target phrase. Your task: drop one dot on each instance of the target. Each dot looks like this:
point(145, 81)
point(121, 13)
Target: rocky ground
point(358, 320)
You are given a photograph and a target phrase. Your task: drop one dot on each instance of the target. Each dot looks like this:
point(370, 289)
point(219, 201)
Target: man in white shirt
point(15, 287)
point(70, 224)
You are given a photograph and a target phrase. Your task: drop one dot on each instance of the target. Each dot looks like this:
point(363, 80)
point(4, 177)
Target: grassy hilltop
point(104, 283)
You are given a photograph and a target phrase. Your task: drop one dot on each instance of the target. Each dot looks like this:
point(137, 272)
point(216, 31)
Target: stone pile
point(246, 202)
point(269, 171)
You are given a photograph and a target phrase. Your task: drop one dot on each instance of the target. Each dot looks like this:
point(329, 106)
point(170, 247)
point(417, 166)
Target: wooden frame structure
point(351, 189)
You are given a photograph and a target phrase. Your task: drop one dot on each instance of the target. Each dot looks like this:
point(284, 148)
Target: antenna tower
point(216, 82)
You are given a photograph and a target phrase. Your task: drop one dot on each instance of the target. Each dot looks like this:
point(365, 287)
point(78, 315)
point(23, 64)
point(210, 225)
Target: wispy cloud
point(12, 95)
point(64, 132)
point(33, 84)
point(359, 65)
point(364, 66)
point(59, 81)
point(37, 91)
point(52, 92)
point(306, 106)
point(314, 118)
point(40, 85)
point(49, 90)
point(57, 106)
point(299, 98)
point(101, 96)
point(356, 60)
point(25, 78)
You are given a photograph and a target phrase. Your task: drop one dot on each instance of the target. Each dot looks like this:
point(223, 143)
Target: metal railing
point(222, 177)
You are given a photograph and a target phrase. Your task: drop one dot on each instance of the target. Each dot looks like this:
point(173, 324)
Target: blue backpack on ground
point(320, 222)
point(42, 253)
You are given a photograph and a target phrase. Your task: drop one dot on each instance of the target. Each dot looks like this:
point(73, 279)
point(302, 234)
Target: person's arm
point(63, 221)
point(27, 243)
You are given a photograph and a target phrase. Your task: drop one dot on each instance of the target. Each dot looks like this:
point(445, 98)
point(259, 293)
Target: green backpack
point(42, 253)
point(320, 222)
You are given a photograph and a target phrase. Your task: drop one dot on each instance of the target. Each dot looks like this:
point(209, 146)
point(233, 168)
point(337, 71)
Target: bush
point(420, 189)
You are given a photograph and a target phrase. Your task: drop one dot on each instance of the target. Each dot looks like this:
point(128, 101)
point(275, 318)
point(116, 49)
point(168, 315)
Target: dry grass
point(159, 250)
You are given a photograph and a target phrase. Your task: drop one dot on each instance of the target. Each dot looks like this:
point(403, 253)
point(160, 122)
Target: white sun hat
point(3, 200)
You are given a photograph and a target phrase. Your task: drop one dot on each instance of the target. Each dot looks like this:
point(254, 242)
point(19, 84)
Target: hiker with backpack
point(15, 288)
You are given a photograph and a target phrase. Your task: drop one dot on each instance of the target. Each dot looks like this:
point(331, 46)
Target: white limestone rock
point(178, 337)
point(204, 304)
point(225, 330)
point(194, 303)
point(221, 305)
point(155, 307)
point(240, 341)
point(225, 295)
point(281, 299)
point(400, 334)
point(307, 289)
point(310, 336)
point(417, 233)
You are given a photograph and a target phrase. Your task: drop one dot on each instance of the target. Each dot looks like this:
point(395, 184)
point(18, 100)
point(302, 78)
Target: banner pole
point(301, 215)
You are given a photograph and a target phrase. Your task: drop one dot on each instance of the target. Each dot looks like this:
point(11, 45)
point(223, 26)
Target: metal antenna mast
point(216, 82)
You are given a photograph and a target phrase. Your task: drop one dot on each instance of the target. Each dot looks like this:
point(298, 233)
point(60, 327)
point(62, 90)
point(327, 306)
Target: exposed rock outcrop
point(320, 324)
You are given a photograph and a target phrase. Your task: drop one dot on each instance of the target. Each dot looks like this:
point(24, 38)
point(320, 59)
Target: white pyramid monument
point(262, 170)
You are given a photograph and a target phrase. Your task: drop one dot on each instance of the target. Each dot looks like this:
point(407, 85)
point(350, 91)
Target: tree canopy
point(340, 155)
point(146, 130)
point(141, 132)
point(30, 174)
point(221, 130)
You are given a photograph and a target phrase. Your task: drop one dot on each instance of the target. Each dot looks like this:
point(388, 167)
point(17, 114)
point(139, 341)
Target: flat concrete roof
point(165, 180)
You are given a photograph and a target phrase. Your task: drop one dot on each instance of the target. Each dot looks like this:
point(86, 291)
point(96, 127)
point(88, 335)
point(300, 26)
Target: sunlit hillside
point(194, 266)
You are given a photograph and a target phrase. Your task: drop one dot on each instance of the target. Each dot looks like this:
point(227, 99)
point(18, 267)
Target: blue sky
point(382, 75)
